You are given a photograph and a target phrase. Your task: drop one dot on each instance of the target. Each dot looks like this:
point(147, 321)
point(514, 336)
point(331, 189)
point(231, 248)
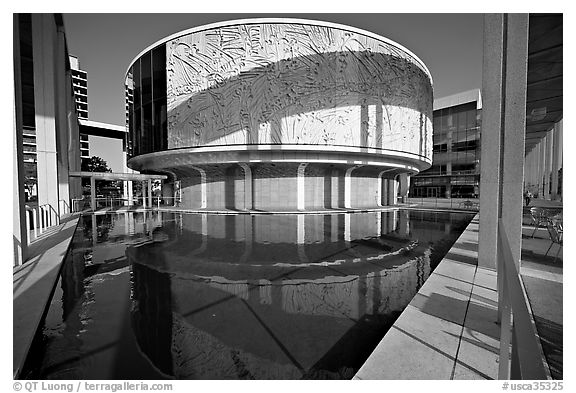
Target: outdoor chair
point(556, 231)
point(539, 218)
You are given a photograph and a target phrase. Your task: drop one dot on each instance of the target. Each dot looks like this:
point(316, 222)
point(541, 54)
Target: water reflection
point(241, 297)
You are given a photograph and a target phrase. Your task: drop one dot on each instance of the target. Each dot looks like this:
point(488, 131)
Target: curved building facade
point(280, 114)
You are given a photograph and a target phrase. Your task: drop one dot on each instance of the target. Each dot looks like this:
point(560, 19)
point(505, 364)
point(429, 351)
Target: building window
point(440, 148)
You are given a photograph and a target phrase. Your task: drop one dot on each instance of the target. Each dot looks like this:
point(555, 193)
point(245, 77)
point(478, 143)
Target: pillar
point(392, 190)
point(404, 181)
point(503, 133)
point(556, 159)
point(128, 192)
point(19, 231)
point(379, 191)
point(43, 46)
point(300, 182)
point(94, 231)
point(541, 174)
point(203, 190)
point(334, 189)
point(150, 201)
point(348, 186)
point(385, 191)
point(248, 199)
point(63, 78)
point(93, 193)
point(143, 183)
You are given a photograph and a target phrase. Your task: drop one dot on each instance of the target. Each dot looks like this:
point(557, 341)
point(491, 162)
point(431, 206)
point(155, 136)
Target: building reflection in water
point(196, 296)
point(294, 296)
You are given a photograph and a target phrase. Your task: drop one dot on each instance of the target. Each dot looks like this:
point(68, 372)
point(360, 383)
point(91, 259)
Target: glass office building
point(455, 170)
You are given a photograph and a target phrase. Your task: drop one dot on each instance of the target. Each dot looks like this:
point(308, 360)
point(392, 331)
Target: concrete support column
point(43, 45)
point(334, 191)
point(382, 188)
point(143, 186)
point(545, 163)
point(63, 78)
point(542, 174)
point(128, 192)
point(549, 163)
point(19, 230)
point(385, 191)
point(379, 189)
point(167, 192)
point(556, 159)
point(94, 230)
point(93, 193)
point(203, 190)
point(248, 198)
point(348, 186)
point(150, 201)
point(503, 133)
point(392, 191)
point(301, 192)
point(404, 186)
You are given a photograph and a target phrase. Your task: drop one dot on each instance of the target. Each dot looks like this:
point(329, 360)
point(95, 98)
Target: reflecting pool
point(197, 296)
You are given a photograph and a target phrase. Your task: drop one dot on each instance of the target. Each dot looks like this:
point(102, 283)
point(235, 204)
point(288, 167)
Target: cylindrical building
point(280, 114)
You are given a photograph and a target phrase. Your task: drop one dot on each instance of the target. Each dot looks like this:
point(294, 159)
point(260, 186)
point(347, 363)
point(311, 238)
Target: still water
point(195, 296)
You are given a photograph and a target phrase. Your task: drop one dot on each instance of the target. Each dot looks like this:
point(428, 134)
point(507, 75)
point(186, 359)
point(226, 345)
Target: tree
point(98, 164)
point(95, 164)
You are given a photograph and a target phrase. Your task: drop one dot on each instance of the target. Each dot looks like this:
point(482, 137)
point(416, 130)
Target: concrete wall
point(276, 186)
point(294, 83)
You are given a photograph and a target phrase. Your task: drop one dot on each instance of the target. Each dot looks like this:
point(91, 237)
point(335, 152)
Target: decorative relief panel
point(293, 83)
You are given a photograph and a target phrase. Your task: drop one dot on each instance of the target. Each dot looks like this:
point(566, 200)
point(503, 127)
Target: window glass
point(461, 121)
point(137, 131)
point(160, 127)
point(137, 84)
point(471, 117)
point(159, 72)
point(145, 69)
point(444, 122)
point(147, 127)
point(440, 148)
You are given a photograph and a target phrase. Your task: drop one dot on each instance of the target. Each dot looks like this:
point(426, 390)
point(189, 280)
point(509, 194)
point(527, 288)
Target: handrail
point(526, 361)
point(110, 201)
point(43, 217)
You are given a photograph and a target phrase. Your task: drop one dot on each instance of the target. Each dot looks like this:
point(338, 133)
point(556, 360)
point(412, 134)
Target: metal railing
point(39, 219)
point(472, 204)
point(518, 334)
point(84, 204)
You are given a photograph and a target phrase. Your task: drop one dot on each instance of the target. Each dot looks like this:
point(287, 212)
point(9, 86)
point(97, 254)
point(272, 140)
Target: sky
point(449, 44)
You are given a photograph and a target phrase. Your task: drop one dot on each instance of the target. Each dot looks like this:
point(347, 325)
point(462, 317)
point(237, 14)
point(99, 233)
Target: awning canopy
point(544, 84)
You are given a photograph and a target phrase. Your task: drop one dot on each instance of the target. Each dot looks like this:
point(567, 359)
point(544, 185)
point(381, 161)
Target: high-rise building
point(455, 170)
point(46, 142)
point(80, 85)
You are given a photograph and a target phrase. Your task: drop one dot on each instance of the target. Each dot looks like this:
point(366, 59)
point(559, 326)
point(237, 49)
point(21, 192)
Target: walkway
point(449, 329)
point(543, 280)
point(33, 283)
